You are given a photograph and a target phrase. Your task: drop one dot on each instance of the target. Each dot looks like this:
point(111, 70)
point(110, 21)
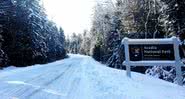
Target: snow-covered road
point(80, 77)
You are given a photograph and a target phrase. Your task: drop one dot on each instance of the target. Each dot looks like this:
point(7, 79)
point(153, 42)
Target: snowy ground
point(8, 68)
point(80, 77)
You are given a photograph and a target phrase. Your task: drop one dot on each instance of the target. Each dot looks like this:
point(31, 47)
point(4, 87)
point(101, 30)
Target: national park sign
point(153, 52)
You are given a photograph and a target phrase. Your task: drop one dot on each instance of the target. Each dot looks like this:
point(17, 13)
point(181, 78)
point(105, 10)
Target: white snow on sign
point(80, 77)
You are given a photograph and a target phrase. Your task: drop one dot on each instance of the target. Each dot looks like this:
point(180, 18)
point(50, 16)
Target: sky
point(71, 15)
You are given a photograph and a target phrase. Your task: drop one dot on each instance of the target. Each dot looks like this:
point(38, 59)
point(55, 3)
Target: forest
point(114, 20)
point(28, 37)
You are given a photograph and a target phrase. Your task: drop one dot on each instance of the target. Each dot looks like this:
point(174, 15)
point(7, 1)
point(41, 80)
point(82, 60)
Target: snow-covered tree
point(86, 43)
point(103, 24)
point(29, 37)
point(73, 43)
point(124, 18)
point(165, 73)
point(172, 19)
point(3, 56)
point(171, 22)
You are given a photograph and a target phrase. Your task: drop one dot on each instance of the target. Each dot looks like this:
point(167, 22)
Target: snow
point(8, 68)
point(171, 40)
point(80, 77)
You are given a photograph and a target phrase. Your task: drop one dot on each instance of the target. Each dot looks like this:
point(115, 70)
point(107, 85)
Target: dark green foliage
point(175, 12)
point(29, 37)
point(113, 44)
point(97, 53)
point(172, 22)
point(135, 19)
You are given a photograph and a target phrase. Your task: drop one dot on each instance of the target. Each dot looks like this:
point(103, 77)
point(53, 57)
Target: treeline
point(27, 37)
point(112, 21)
point(135, 19)
point(78, 43)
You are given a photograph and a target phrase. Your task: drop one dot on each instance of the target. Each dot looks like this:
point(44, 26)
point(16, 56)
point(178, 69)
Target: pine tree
point(172, 19)
point(86, 43)
point(29, 37)
point(97, 53)
point(172, 23)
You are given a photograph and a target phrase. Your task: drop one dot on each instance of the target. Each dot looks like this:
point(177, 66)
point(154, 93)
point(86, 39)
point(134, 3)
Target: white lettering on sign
point(153, 52)
point(151, 47)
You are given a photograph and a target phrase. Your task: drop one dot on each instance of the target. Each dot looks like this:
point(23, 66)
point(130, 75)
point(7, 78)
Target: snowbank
point(81, 77)
point(8, 68)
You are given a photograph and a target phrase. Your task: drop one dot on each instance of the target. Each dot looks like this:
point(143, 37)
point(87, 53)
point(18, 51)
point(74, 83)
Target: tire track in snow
point(22, 89)
point(49, 82)
point(75, 88)
point(80, 86)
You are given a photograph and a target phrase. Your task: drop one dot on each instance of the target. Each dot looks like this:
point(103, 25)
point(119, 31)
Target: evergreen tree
point(172, 19)
point(172, 23)
point(114, 47)
point(86, 43)
point(73, 43)
point(97, 53)
point(29, 37)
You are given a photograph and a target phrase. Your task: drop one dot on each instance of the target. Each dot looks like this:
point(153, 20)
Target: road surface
point(80, 77)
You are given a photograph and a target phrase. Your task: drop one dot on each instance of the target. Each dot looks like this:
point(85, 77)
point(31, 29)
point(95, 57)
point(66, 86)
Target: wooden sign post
point(153, 52)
